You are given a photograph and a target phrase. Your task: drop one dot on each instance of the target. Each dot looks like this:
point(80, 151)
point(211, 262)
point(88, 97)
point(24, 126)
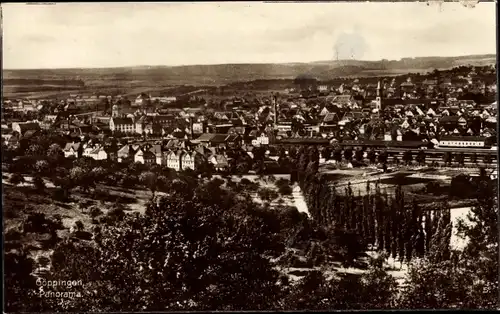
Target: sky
point(71, 35)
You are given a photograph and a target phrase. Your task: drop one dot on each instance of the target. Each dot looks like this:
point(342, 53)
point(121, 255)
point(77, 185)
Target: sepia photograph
point(249, 156)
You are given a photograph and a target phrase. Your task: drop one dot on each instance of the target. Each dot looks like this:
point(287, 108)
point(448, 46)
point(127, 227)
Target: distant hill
point(222, 74)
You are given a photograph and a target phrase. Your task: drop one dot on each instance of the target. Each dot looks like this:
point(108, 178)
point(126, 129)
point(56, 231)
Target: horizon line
point(241, 63)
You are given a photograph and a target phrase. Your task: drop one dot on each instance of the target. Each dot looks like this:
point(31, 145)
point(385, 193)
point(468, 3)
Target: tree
point(35, 150)
point(473, 158)
point(242, 167)
point(20, 285)
point(359, 155)
point(42, 166)
point(79, 225)
point(55, 152)
point(326, 153)
point(447, 158)
point(420, 158)
point(203, 167)
point(377, 279)
point(78, 176)
point(407, 157)
point(98, 174)
point(440, 241)
point(481, 252)
point(337, 155)
point(348, 154)
point(38, 183)
point(372, 156)
point(382, 157)
point(182, 254)
point(267, 194)
point(150, 180)
point(436, 286)
point(461, 186)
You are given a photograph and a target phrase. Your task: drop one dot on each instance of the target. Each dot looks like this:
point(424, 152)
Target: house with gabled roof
point(261, 138)
point(219, 161)
point(157, 152)
point(450, 122)
point(324, 112)
point(72, 150)
point(127, 152)
point(23, 127)
point(409, 113)
point(188, 160)
point(174, 159)
point(121, 124)
point(96, 152)
point(144, 156)
point(405, 124)
point(221, 115)
point(344, 101)
point(330, 121)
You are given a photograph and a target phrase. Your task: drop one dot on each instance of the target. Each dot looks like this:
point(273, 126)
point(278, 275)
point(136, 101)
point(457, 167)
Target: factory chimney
point(275, 110)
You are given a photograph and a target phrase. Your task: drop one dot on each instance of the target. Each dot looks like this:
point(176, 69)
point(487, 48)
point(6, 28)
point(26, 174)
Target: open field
point(156, 78)
point(411, 180)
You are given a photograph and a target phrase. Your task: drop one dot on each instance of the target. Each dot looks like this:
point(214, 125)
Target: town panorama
point(344, 184)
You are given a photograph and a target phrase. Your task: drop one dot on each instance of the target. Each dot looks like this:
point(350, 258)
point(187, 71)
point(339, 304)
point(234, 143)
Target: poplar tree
point(427, 229)
point(440, 242)
point(396, 225)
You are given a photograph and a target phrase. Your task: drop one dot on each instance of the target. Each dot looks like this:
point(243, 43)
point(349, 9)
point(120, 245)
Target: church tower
point(275, 109)
point(378, 100)
point(114, 111)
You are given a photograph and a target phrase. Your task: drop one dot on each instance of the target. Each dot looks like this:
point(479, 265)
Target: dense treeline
point(389, 223)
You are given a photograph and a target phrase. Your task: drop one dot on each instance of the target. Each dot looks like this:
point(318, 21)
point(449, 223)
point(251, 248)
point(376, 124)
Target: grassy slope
point(22, 200)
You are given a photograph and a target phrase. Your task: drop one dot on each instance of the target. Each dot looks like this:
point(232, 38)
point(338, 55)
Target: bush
point(245, 181)
point(114, 215)
point(79, 225)
point(461, 186)
point(60, 194)
point(43, 261)
point(84, 235)
point(281, 182)
point(16, 179)
point(100, 194)
point(39, 223)
point(57, 220)
point(38, 183)
point(299, 273)
point(12, 235)
point(271, 179)
point(95, 211)
point(285, 190)
point(432, 188)
point(295, 261)
point(10, 212)
point(96, 229)
point(34, 223)
point(267, 194)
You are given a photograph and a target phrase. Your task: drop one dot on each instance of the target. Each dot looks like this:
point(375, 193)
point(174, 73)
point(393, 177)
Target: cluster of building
point(434, 111)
